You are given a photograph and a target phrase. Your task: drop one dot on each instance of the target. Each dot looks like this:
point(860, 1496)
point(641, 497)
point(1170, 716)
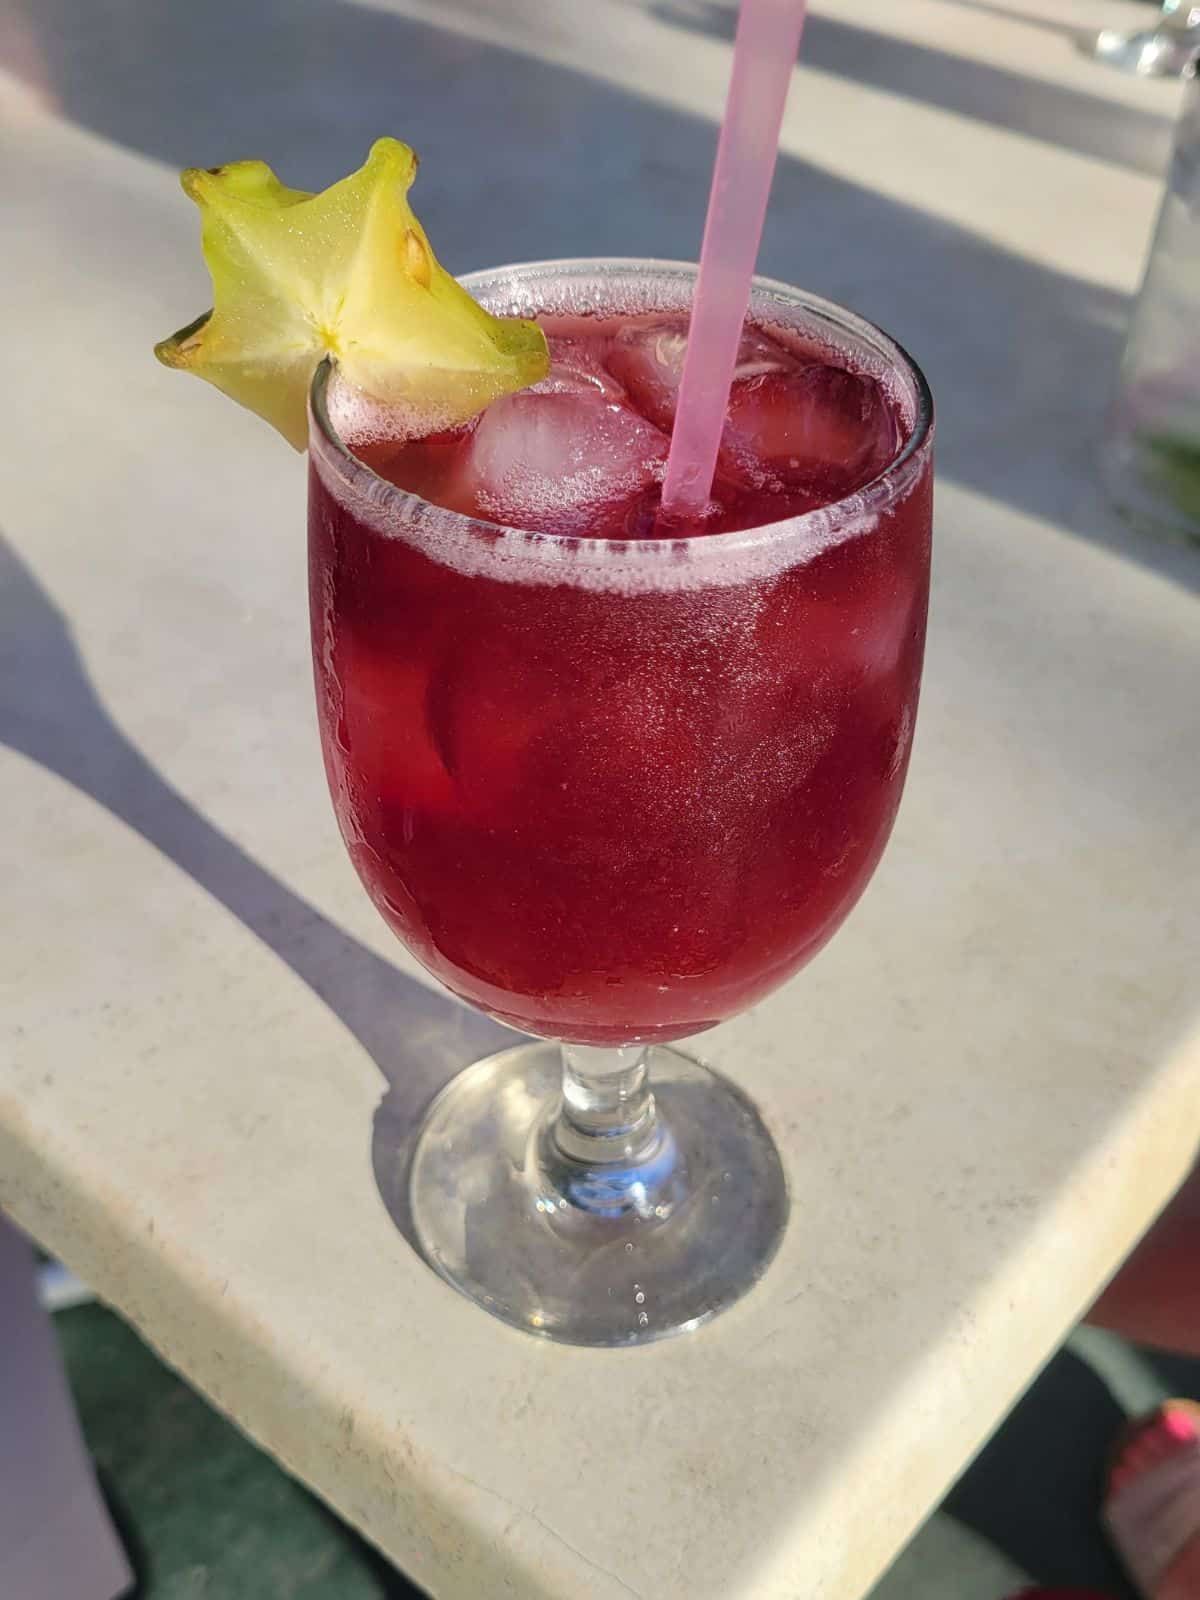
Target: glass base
point(1163, 52)
point(603, 1253)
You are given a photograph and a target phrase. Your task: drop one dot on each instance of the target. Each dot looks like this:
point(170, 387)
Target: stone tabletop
point(211, 1052)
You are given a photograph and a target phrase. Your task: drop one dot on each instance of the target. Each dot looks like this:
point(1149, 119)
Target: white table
point(983, 1091)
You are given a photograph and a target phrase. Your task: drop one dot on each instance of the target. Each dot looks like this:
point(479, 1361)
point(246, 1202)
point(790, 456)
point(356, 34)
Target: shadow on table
point(1071, 118)
point(1031, 19)
point(49, 711)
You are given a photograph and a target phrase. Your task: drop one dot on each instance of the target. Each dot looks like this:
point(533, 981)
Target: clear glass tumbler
point(1152, 455)
point(613, 792)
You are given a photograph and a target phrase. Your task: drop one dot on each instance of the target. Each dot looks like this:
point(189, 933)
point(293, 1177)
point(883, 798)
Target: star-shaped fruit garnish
point(346, 273)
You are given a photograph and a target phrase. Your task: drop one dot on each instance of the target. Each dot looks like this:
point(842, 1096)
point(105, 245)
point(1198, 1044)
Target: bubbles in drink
point(647, 357)
point(490, 704)
point(808, 423)
point(554, 462)
point(381, 704)
point(577, 366)
point(794, 422)
point(696, 760)
point(584, 452)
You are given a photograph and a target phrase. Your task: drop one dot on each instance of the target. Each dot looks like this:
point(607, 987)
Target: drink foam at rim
point(512, 555)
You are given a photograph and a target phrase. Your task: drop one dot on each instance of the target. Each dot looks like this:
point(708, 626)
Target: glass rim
point(864, 504)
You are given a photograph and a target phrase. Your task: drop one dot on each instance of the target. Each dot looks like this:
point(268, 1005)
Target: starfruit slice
point(347, 273)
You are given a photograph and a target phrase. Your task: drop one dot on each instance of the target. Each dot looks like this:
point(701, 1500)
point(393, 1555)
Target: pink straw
point(764, 53)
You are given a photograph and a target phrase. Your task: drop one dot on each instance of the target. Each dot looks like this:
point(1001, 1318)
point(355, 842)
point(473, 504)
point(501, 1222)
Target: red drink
point(610, 782)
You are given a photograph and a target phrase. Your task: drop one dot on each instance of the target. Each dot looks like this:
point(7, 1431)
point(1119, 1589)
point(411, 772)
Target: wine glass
point(1168, 50)
point(613, 792)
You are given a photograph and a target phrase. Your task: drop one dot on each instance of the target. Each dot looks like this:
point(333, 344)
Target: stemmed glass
point(1168, 50)
point(614, 792)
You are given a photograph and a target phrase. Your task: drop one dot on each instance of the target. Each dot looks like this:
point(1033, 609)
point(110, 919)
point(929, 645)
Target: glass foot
point(596, 1253)
point(1164, 52)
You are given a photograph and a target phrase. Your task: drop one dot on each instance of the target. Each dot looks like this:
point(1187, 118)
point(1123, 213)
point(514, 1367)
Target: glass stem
point(608, 1114)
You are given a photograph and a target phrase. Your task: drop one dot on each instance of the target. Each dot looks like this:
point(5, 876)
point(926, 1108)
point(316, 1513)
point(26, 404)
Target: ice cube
point(577, 367)
point(554, 463)
point(647, 358)
point(813, 424)
point(383, 737)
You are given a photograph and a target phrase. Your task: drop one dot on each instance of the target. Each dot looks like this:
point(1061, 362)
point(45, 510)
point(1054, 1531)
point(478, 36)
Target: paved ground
point(206, 1516)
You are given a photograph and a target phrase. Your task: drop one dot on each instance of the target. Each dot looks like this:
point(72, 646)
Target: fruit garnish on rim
point(346, 273)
